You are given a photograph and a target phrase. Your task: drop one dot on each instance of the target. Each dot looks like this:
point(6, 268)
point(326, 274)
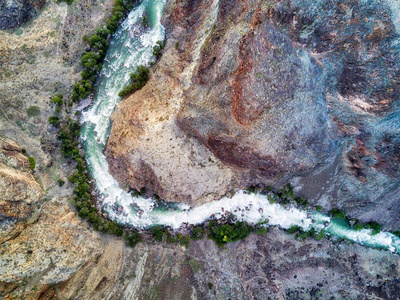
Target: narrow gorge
point(247, 95)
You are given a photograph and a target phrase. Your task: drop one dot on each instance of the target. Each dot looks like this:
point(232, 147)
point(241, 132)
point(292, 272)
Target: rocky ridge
point(42, 241)
point(274, 266)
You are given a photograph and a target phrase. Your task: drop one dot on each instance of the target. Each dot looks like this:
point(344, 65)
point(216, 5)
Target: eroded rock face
point(19, 191)
point(146, 147)
point(16, 12)
point(48, 252)
point(357, 42)
point(258, 103)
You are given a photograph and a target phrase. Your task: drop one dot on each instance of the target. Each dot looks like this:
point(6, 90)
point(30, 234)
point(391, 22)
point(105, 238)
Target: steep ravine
point(54, 255)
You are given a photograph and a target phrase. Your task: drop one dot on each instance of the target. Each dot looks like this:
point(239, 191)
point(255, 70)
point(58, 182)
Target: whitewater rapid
point(131, 46)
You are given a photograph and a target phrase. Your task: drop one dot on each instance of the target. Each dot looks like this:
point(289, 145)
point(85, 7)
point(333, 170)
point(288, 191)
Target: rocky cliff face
point(16, 12)
point(265, 92)
point(19, 191)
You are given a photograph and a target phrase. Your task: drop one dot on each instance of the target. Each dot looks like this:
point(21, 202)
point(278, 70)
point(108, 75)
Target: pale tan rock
point(50, 250)
point(19, 191)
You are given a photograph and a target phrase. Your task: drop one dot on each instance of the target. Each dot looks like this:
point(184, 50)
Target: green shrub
point(32, 162)
point(320, 235)
point(396, 233)
point(55, 121)
point(139, 78)
point(222, 234)
point(60, 182)
point(184, 241)
point(319, 208)
point(272, 198)
point(197, 233)
point(82, 89)
point(336, 213)
point(293, 229)
point(157, 49)
point(132, 238)
point(376, 228)
point(33, 111)
point(58, 100)
point(160, 233)
point(286, 193)
point(145, 21)
point(300, 234)
point(69, 2)
point(98, 42)
point(261, 230)
point(301, 201)
point(358, 226)
point(266, 190)
point(252, 189)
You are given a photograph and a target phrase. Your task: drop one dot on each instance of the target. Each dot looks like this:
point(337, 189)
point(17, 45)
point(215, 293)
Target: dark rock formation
point(263, 107)
point(358, 45)
point(16, 12)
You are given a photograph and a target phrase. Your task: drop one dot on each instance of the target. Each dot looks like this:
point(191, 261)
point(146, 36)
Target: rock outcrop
point(265, 92)
point(146, 147)
point(16, 12)
point(47, 252)
point(19, 191)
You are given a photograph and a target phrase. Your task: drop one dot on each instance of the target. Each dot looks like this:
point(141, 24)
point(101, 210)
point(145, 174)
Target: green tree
point(32, 162)
point(55, 121)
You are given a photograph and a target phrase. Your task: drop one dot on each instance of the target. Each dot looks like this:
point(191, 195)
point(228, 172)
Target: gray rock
point(16, 12)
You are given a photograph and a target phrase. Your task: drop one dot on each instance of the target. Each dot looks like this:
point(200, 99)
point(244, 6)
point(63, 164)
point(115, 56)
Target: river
point(132, 45)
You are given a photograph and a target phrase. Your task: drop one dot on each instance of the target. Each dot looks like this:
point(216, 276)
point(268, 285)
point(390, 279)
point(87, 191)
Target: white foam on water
point(250, 208)
point(384, 240)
